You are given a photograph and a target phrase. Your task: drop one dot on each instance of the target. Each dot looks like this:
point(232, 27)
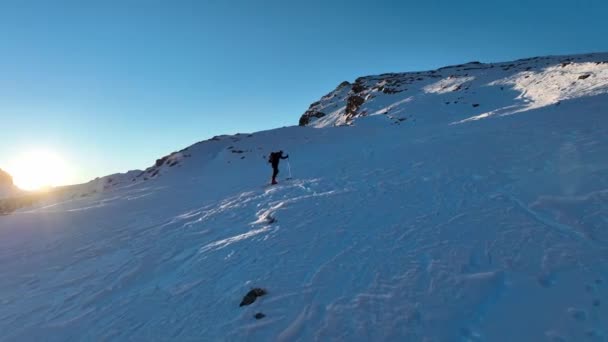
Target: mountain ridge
point(361, 98)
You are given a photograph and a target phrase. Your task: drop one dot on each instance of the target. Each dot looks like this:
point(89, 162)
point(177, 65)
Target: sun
point(39, 169)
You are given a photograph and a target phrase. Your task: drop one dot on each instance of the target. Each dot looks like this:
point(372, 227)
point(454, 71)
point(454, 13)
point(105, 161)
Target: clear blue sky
point(113, 85)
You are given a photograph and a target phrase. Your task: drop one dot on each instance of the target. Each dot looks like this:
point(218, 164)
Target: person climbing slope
point(274, 159)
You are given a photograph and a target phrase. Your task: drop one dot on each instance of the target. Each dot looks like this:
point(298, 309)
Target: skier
point(274, 159)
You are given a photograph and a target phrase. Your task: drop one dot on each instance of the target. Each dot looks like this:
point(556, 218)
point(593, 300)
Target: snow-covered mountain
point(463, 92)
point(473, 206)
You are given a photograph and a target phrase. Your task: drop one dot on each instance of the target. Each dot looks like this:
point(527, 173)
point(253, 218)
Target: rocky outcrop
point(352, 105)
point(358, 86)
point(167, 161)
point(317, 109)
point(520, 85)
point(311, 113)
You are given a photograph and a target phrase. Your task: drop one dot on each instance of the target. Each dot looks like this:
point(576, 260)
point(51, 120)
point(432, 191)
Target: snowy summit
point(468, 203)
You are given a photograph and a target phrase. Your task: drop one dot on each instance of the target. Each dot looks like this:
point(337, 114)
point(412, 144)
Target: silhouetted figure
point(274, 159)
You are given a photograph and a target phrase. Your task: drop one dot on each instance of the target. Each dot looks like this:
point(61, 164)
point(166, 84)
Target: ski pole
point(289, 168)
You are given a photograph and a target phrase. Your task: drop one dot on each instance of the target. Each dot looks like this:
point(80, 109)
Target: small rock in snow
point(259, 315)
point(252, 295)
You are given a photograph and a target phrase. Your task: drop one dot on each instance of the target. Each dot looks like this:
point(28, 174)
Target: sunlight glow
point(38, 170)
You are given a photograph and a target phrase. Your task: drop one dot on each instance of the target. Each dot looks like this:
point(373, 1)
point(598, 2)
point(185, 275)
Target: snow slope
point(436, 228)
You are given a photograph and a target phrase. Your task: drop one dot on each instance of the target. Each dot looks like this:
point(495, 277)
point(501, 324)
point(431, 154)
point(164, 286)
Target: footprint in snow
point(577, 314)
point(546, 280)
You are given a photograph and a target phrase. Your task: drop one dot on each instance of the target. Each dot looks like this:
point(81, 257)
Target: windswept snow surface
point(493, 229)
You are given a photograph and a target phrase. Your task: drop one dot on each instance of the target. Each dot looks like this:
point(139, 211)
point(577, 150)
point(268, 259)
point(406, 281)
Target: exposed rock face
point(352, 105)
point(311, 113)
point(516, 86)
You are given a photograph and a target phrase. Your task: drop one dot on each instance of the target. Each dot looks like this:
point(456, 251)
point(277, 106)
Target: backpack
point(272, 157)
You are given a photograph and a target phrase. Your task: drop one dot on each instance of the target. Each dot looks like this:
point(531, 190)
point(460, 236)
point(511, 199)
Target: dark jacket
point(275, 157)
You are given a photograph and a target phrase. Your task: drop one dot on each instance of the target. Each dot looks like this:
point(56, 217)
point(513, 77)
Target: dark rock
point(352, 105)
point(252, 295)
point(582, 77)
point(305, 118)
point(161, 161)
point(357, 88)
point(390, 91)
point(475, 104)
point(259, 315)
point(343, 84)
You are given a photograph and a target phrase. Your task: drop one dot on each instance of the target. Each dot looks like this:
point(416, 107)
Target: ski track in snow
point(489, 230)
